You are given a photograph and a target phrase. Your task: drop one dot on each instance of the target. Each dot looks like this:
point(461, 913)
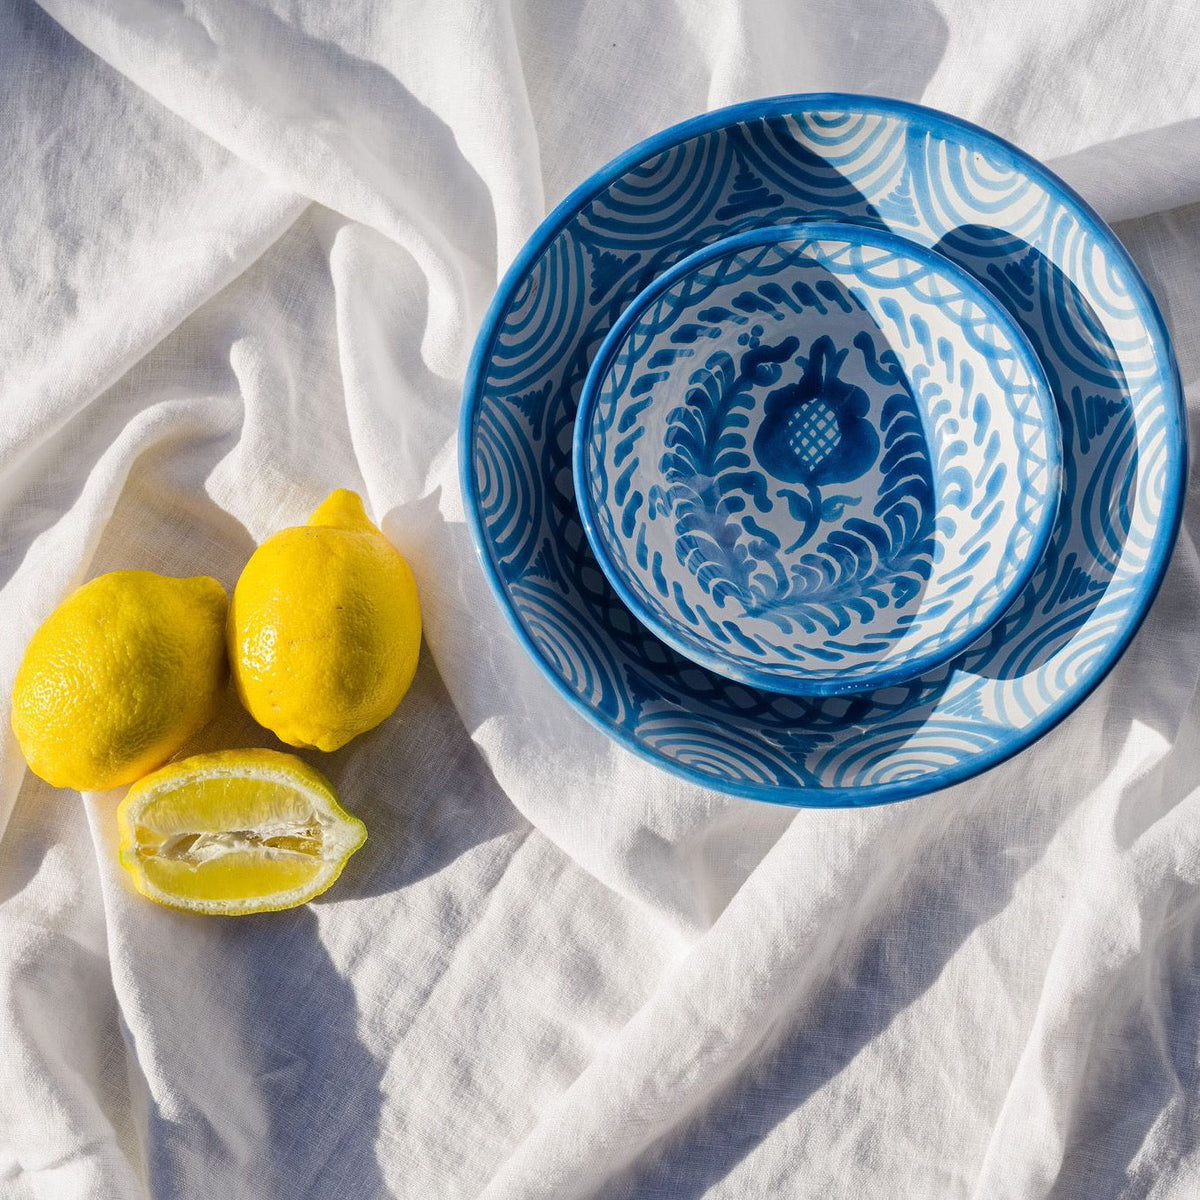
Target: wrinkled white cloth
point(245, 250)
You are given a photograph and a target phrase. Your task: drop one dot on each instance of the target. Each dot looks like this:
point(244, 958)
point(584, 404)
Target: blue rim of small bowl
point(856, 235)
point(568, 208)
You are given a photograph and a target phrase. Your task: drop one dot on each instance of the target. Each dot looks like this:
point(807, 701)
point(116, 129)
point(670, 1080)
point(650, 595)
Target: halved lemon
point(235, 832)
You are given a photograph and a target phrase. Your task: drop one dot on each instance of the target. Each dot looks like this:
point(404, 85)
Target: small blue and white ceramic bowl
point(817, 458)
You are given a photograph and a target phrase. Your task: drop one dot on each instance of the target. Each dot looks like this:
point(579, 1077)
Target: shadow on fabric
point(889, 962)
point(1149, 1062)
point(300, 1115)
point(374, 119)
point(273, 1013)
point(423, 789)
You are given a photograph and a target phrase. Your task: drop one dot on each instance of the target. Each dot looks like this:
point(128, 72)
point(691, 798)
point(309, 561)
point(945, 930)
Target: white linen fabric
point(246, 248)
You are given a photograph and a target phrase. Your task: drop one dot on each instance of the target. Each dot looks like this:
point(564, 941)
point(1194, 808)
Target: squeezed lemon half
point(235, 832)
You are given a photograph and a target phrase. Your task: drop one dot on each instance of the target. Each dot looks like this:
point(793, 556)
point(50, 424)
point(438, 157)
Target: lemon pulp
point(235, 832)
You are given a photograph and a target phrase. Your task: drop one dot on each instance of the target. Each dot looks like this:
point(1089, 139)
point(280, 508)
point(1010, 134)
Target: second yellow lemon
point(325, 628)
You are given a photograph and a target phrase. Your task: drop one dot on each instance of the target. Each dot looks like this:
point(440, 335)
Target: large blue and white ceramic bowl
point(817, 459)
point(940, 183)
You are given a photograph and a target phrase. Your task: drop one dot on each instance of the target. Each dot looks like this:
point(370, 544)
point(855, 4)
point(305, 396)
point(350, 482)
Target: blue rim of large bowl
point(568, 208)
point(861, 680)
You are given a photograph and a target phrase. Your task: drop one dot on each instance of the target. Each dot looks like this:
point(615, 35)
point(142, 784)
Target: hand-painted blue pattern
point(817, 460)
point(944, 184)
point(815, 429)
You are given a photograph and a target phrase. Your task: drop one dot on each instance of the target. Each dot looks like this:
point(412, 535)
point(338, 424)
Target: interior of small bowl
point(817, 459)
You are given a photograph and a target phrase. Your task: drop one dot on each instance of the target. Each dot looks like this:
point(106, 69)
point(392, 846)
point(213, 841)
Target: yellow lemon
point(236, 832)
point(118, 677)
point(325, 628)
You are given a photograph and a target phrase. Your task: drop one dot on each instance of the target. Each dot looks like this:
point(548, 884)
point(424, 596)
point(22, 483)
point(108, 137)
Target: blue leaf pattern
point(857, 587)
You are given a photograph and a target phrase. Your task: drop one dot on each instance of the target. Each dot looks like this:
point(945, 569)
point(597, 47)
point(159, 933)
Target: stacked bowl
point(824, 450)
